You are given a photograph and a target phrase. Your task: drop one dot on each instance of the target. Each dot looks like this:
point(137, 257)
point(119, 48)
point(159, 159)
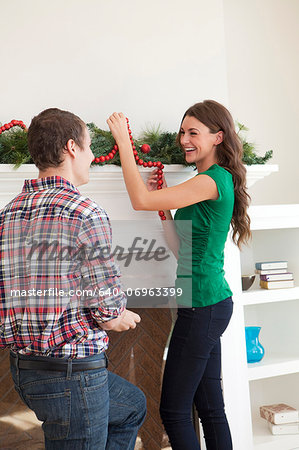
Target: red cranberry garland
point(12, 123)
point(139, 161)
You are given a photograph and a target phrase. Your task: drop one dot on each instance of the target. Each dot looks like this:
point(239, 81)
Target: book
point(279, 413)
point(271, 265)
point(284, 428)
point(277, 276)
point(268, 271)
point(277, 284)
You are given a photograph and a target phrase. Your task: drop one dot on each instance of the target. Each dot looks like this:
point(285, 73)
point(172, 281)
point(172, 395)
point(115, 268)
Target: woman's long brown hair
point(229, 156)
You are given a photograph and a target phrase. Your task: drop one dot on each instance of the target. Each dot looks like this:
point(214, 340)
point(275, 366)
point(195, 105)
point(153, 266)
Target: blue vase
point(255, 351)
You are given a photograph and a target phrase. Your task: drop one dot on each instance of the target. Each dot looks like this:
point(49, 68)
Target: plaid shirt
point(58, 282)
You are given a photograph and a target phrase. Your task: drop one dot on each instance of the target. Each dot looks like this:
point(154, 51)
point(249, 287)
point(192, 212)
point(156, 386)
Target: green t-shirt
point(201, 253)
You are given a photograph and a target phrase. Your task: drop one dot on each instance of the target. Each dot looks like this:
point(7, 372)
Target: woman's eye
point(193, 134)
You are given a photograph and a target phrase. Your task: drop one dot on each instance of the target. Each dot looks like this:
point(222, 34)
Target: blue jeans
point(92, 409)
point(192, 374)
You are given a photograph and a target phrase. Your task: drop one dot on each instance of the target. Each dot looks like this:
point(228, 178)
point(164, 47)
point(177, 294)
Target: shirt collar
point(55, 181)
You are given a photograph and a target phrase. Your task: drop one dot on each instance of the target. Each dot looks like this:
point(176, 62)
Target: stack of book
point(274, 274)
point(281, 418)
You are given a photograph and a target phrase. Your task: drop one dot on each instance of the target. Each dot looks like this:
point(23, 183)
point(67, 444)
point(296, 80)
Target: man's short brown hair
point(49, 133)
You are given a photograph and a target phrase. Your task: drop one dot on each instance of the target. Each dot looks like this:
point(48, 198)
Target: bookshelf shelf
point(259, 295)
point(269, 217)
point(263, 439)
point(273, 366)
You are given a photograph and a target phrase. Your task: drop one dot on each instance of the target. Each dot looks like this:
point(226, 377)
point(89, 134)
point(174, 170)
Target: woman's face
point(198, 142)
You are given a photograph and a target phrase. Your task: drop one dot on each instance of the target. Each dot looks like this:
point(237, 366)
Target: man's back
point(47, 235)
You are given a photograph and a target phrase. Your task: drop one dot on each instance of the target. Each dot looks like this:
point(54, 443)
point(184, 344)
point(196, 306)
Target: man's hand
point(128, 319)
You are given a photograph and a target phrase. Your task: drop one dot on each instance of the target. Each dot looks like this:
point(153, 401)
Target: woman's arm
point(192, 191)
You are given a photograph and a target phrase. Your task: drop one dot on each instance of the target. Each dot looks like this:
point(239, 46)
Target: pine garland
point(14, 147)
point(163, 146)
point(101, 143)
point(249, 155)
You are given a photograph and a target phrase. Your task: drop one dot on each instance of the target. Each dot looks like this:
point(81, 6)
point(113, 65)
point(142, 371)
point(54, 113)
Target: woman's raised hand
point(117, 123)
point(152, 181)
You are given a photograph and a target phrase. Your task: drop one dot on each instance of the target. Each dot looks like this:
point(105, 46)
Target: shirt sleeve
point(222, 208)
point(103, 293)
point(220, 182)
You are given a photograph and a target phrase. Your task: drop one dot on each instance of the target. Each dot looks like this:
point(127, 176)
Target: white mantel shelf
point(257, 172)
point(106, 182)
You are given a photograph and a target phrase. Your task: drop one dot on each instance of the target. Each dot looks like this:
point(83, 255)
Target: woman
point(215, 198)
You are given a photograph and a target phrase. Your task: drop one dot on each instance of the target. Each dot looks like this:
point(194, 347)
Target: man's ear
point(70, 148)
point(219, 137)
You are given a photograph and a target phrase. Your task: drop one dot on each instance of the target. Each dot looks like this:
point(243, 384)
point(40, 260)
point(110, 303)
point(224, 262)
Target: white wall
point(153, 60)
point(262, 43)
point(150, 59)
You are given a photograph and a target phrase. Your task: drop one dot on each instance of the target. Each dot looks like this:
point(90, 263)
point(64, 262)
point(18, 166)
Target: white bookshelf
point(275, 379)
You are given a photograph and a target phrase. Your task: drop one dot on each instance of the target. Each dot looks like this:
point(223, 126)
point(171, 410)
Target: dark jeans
point(192, 374)
point(92, 409)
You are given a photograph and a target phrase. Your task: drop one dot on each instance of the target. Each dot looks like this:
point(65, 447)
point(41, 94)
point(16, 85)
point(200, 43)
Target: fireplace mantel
point(106, 185)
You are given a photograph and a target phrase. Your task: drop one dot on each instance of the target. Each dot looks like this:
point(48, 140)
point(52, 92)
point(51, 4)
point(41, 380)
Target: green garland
point(14, 147)
point(249, 155)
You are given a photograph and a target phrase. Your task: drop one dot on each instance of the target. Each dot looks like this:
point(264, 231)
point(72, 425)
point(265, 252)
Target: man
point(60, 293)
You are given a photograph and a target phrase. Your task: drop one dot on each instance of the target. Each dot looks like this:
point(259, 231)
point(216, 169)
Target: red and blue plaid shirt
point(58, 281)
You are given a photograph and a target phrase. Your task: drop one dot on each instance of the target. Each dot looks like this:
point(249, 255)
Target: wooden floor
point(19, 427)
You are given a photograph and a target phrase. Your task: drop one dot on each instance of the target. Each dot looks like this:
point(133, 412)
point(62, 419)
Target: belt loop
point(69, 369)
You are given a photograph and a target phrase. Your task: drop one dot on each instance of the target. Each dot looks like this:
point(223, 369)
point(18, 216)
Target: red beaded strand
point(139, 161)
point(12, 123)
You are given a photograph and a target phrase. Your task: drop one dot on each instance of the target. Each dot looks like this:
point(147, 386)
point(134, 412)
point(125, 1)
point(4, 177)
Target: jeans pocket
point(54, 410)
point(96, 400)
point(220, 316)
